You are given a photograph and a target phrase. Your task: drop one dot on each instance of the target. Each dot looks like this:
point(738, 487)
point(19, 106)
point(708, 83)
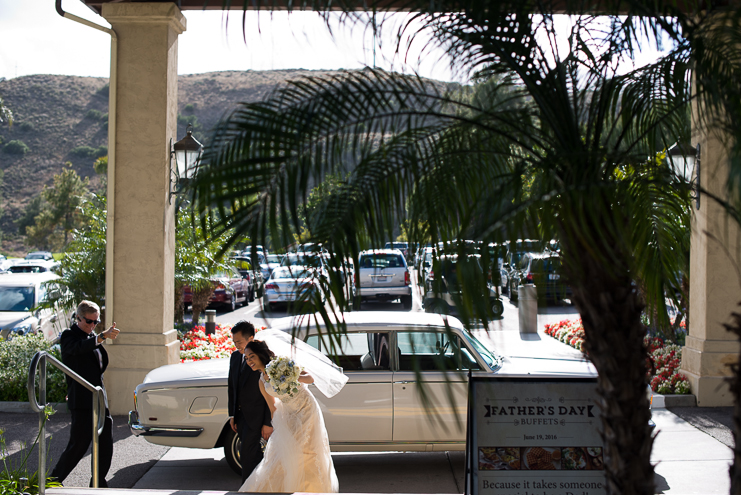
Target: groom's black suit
point(248, 408)
point(84, 356)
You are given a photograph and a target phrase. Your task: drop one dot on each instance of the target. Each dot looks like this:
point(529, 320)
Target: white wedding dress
point(297, 456)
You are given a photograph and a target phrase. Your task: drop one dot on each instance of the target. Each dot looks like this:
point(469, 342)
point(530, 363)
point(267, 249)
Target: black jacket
point(78, 353)
point(246, 403)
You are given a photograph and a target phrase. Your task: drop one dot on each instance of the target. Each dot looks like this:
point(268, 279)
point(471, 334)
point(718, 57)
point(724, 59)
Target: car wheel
point(233, 303)
point(406, 301)
point(497, 308)
point(231, 451)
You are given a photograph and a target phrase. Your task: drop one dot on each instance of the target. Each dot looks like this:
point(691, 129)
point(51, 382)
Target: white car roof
point(370, 319)
point(20, 279)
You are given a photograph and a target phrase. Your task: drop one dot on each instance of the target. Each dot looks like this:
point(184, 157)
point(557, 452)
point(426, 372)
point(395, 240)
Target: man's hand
point(112, 332)
point(233, 424)
point(266, 431)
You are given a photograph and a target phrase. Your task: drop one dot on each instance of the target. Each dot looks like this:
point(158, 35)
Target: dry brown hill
point(64, 118)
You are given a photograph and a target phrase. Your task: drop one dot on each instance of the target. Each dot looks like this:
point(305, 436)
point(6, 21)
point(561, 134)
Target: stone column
point(715, 281)
point(142, 231)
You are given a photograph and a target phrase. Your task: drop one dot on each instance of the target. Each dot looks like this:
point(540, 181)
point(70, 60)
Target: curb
point(25, 407)
point(664, 401)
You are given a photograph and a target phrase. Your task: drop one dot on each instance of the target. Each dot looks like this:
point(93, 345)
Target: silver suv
point(384, 276)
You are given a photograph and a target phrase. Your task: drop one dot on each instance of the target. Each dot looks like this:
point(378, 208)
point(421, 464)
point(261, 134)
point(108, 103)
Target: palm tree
point(458, 164)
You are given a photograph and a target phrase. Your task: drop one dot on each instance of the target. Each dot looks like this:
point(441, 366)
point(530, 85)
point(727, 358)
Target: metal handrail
point(98, 412)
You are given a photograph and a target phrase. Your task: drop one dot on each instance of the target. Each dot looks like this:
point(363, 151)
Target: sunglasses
point(89, 321)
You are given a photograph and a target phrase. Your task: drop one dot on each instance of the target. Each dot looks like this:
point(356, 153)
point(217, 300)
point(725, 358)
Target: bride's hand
point(305, 377)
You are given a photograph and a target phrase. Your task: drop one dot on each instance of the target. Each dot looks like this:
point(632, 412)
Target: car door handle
point(405, 382)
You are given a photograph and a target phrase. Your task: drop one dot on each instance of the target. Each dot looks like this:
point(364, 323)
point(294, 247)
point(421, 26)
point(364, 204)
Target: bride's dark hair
point(261, 350)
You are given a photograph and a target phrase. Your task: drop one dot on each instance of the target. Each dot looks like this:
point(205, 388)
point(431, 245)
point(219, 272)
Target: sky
point(34, 39)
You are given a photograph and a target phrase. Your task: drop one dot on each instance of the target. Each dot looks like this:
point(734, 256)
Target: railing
point(41, 358)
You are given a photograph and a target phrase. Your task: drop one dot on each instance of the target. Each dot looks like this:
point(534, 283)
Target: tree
point(6, 115)
point(195, 264)
point(28, 219)
point(83, 265)
point(566, 116)
point(59, 214)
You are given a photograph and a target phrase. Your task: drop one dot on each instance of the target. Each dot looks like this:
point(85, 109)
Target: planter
point(25, 407)
point(673, 400)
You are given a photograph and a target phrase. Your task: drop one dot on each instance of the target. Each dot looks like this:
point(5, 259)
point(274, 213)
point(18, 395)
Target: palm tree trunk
point(735, 386)
point(200, 301)
point(611, 307)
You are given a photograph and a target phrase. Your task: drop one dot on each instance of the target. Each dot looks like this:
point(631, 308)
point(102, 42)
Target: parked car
point(298, 287)
point(34, 266)
point(20, 295)
point(443, 288)
point(40, 255)
point(383, 276)
point(232, 289)
point(543, 270)
point(401, 246)
point(255, 277)
point(386, 355)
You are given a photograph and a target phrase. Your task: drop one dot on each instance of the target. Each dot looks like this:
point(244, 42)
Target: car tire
point(233, 303)
point(231, 451)
point(406, 301)
point(512, 293)
point(497, 308)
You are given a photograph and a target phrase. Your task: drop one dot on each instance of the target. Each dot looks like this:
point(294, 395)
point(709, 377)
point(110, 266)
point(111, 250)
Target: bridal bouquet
point(283, 374)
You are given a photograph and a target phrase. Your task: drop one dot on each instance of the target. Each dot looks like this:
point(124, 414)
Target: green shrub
point(94, 114)
point(189, 108)
point(90, 152)
point(27, 126)
point(16, 147)
point(15, 358)
point(105, 90)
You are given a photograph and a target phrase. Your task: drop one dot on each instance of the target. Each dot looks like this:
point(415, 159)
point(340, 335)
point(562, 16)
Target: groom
point(249, 415)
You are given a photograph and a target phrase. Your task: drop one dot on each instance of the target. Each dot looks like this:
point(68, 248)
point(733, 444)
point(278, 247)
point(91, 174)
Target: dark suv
point(543, 270)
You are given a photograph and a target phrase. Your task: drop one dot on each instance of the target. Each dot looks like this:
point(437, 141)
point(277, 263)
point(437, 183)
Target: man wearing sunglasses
point(84, 353)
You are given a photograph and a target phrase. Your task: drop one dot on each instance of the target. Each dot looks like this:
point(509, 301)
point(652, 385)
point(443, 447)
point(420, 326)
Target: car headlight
point(23, 328)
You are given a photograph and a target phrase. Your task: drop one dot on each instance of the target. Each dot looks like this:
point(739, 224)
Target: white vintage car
point(381, 408)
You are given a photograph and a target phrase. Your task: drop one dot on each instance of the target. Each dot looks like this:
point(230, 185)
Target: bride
point(297, 456)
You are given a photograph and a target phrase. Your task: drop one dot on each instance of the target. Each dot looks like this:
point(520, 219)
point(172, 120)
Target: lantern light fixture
point(187, 156)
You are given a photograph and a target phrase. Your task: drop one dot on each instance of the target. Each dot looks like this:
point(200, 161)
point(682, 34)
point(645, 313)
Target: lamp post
point(187, 153)
point(685, 160)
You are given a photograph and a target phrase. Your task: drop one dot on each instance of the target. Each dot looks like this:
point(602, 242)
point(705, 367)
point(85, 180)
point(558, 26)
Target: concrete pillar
point(142, 233)
point(715, 281)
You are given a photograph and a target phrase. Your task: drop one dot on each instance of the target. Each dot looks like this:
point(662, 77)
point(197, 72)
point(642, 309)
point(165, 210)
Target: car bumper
point(385, 292)
point(138, 429)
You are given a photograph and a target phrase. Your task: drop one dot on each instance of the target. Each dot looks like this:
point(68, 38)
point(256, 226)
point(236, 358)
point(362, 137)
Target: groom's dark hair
point(246, 328)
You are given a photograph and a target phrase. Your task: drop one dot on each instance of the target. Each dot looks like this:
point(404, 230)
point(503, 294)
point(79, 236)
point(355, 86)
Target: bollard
point(527, 297)
point(210, 321)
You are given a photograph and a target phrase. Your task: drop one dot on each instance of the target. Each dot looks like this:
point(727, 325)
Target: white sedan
point(385, 355)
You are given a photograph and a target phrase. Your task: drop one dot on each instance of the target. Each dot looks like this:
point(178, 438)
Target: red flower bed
point(663, 359)
point(195, 345)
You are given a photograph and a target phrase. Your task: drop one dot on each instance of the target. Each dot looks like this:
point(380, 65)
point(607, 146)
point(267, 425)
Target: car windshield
point(290, 272)
point(273, 258)
point(27, 269)
point(36, 256)
point(16, 298)
point(301, 260)
point(381, 260)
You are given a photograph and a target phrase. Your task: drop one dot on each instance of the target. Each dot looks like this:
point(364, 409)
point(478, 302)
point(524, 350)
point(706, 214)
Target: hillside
point(64, 118)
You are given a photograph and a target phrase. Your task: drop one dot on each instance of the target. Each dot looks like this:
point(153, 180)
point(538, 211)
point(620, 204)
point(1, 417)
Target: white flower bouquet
point(283, 374)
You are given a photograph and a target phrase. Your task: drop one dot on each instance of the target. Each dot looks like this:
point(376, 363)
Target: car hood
point(545, 367)
point(209, 372)
point(9, 319)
